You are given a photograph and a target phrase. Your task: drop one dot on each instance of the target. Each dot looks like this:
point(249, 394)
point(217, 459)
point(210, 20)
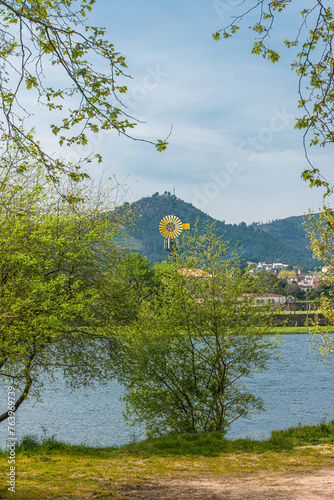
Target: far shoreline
point(290, 330)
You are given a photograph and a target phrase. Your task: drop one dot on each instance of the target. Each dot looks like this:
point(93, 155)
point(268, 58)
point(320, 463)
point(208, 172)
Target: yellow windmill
point(171, 227)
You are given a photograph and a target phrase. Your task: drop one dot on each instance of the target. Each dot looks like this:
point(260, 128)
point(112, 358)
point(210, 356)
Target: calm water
point(298, 389)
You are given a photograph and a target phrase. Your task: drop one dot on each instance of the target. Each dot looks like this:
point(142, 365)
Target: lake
point(298, 389)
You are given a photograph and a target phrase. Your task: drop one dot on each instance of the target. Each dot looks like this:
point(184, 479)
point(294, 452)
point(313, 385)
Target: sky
point(233, 151)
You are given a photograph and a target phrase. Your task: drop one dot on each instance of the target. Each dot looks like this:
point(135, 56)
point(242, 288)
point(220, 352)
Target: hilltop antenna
point(173, 190)
point(171, 227)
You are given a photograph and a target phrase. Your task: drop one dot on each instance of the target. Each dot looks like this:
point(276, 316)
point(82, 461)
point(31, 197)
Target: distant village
point(291, 277)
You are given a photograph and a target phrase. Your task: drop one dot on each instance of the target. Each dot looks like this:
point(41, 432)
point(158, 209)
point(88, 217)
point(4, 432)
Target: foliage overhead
point(313, 63)
point(48, 48)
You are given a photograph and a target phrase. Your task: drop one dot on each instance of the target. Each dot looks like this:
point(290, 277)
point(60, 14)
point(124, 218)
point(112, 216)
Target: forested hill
point(267, 243)
point(290, 231)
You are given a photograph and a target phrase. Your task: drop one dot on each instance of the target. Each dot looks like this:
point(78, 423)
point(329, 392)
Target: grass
point(288, 330)
point(296, 313)
point(49, 469)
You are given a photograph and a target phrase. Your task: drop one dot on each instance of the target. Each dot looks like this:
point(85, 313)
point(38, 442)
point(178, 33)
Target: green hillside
point(290, 231)
point(270, 243)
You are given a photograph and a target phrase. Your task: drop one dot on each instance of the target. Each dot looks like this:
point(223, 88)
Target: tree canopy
point(313, 61)
point(38, 37)
point(320, 230)
point(53, 259)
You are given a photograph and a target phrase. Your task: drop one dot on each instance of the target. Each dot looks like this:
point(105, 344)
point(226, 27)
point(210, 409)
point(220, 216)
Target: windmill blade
point(170, 227)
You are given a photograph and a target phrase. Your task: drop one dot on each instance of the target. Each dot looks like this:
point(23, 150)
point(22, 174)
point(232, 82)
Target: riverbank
point(187, 467)
point(289, 330)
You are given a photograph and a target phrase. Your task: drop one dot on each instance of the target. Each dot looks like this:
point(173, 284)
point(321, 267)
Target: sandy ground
point(304, 486)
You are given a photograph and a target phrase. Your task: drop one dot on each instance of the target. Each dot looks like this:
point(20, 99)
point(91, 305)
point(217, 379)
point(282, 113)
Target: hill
point(290, 231)
point(282, 240)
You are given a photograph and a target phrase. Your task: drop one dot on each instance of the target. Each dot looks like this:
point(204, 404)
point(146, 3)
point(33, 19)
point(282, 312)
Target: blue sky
point(233, 151)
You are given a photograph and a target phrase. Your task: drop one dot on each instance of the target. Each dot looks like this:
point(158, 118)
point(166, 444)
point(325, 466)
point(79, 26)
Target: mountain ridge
point(280, 240)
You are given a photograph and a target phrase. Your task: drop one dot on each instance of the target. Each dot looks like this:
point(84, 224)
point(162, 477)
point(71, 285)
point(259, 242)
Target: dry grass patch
point(51, 470)
point(75, 477)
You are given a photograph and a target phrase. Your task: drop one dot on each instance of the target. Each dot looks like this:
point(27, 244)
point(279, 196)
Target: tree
point(38, 37)
point(283, 274)
point(293, 289)
point(130, 281)
point(268, 282)
point(313, 64)
point(185, 361)
point(324, 289)
point(53, 258)
point(320, 230)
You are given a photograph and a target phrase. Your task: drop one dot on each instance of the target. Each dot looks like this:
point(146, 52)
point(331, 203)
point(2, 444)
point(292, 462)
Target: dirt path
point(306, 486)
